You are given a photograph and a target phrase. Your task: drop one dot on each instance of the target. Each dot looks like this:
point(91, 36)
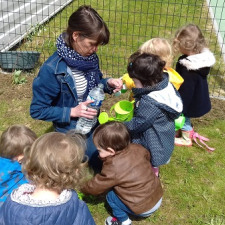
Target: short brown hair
point(147, 68)
point(14, 139)
point(190, 38)
point(111, 135)
point(54, 161)
point(89, 24)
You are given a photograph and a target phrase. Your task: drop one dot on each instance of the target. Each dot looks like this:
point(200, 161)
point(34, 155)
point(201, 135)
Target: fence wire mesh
point(34, 25)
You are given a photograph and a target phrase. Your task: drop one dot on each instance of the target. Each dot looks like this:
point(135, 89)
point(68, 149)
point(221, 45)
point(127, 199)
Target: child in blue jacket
point(12, 143)
point(53, 166)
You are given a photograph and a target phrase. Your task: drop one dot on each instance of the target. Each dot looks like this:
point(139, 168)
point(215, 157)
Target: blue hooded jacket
point(11, 177)
point(70, 212)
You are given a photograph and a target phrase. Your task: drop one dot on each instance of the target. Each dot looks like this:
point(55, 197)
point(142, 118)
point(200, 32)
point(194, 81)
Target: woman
point(65, 79)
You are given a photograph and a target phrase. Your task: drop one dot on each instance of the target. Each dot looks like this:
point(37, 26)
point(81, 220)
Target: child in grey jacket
point(157, 105)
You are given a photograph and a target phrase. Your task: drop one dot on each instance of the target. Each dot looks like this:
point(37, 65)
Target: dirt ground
point(9, 91)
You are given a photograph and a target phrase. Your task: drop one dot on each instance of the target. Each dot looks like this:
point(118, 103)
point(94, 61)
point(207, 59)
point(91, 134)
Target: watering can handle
point(112, 108)
point(116, 119)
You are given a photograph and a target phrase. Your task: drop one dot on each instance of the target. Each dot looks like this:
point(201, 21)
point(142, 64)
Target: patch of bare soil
point(10, 91)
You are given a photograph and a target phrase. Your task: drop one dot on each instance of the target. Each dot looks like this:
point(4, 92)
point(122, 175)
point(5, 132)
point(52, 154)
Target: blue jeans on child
point(187, 125)
point(121, 211)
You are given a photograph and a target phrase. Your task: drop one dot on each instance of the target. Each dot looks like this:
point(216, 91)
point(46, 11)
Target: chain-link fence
point(34, 25)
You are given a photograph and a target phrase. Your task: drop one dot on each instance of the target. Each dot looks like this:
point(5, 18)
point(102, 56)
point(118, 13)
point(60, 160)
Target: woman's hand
point(115, 83)
point(82, 110)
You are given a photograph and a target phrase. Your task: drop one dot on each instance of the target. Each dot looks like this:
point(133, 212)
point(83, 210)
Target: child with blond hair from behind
point(53, 166)
point(162, 48)
point(12, 143)
point(194, 66)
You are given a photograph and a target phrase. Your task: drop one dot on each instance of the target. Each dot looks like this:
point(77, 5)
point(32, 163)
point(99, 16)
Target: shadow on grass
point(95, 200)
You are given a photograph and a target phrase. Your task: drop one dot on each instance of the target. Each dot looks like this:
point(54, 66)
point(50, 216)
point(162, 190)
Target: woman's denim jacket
point(54, 94)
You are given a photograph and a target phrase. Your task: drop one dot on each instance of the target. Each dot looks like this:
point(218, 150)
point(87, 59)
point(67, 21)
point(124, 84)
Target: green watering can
point(123, 111)
point(179, 122)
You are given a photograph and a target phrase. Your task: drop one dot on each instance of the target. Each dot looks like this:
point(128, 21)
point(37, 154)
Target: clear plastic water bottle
point(97, 94)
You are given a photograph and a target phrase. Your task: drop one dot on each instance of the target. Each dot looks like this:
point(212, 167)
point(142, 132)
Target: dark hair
point(87, 22)
point(111, 135)
point(147, 68)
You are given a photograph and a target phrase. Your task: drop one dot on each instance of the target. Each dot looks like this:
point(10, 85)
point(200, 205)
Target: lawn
point(131, 23)
point(193, 181)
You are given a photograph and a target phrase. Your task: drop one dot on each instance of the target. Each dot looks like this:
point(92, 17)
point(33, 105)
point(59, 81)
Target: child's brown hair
point(14, 139)
point(54, 161)
point(190, 39)
point(111, 135)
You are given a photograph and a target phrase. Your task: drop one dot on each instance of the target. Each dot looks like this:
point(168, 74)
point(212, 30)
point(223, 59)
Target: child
point(194, 66)
point(162, 48)
point(157, 105)
point(53, 167)
point(129, 180)
point(12, 143)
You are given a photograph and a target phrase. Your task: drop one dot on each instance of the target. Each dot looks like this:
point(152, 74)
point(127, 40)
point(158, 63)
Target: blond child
point(162, 48)
point(53, 166)
point(194, 66)
point(131, 186)
point(12, 143)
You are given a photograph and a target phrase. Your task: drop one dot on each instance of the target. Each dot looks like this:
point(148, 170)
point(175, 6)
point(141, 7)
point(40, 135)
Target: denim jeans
point(187, 125)
point(92, 153)
point(121, 211)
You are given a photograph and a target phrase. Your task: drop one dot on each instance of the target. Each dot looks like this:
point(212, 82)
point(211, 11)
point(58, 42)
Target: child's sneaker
point(113, 221)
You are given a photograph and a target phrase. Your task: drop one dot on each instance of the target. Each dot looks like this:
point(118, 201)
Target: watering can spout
point(104, 118)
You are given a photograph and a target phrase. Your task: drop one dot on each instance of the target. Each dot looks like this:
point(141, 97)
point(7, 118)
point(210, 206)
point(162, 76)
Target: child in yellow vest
point(162, 48)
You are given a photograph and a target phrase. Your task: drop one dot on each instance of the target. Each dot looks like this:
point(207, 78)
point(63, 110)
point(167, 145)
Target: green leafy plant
point(34, 30)
point(17, 78)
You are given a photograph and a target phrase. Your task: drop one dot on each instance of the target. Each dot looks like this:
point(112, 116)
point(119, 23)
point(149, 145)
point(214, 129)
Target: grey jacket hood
point(164, 95)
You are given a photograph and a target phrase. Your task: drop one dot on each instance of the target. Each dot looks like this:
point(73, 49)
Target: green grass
point(193, 181)
point(131, 23)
